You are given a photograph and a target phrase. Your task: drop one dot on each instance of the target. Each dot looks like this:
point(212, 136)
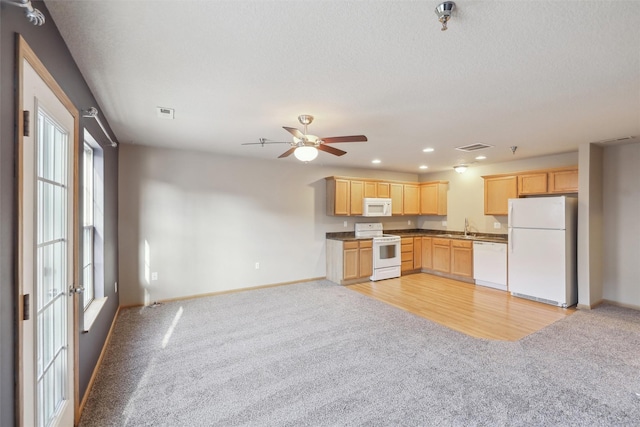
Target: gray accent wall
point(52, 51)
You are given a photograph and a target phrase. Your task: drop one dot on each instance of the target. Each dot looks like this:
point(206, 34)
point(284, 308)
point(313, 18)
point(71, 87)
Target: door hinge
point(26, 307)
point(26, 122)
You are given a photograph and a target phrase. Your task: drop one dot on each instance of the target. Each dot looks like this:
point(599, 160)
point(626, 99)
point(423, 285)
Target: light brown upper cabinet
point(497, 192)
point(433, 198)
point(397, 198)
point(370, 189)
point(563, 181)
point(411, 201)
point(384, 189)
point(533, 183)
point(338, 196)
point(355, 199)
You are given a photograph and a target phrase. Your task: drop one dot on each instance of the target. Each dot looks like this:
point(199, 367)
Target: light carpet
point(318, 354)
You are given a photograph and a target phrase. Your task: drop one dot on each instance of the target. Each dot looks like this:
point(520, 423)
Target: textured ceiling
point(545, 76)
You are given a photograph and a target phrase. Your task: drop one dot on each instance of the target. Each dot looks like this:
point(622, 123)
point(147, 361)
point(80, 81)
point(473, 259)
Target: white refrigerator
point(542, 249)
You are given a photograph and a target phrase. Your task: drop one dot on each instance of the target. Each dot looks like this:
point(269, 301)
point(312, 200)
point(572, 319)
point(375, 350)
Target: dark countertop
point(484, 237)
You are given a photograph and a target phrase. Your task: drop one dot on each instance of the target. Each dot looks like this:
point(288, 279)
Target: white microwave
point(376, 206)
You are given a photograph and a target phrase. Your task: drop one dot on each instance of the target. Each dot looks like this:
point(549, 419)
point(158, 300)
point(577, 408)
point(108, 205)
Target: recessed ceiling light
point(428, 150)
point(424, 167)
point(481, 157)
point(375, 161)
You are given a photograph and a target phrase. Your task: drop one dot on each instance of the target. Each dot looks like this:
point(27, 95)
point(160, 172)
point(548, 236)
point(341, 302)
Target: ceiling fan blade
point(287, 153)
point(295, 132)
point(331, 150)
point(352, 138)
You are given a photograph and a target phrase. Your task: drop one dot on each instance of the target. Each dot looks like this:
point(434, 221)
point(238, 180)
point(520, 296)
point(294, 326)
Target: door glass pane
point(52, 264)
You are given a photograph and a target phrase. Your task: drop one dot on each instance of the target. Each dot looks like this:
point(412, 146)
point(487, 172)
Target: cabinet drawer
point(351, 244)
point(461, 243)
point(441, 242)
point(407, 265)
point(406, 247)
point(366, 243)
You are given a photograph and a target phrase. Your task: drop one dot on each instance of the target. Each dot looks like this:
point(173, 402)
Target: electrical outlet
point(497, 225)
point(408, 222)
point(345, 224)
point(115, 287)
point(154, 275)
point(257, 266)
point(444, 223)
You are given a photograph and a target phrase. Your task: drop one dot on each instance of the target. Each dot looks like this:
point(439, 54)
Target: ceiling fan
point(305, 147)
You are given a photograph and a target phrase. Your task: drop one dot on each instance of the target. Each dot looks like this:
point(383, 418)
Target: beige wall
point(208, 219)
point(466, 192)
point(621, 224)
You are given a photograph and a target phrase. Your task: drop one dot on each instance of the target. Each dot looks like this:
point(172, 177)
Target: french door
point(47, 248)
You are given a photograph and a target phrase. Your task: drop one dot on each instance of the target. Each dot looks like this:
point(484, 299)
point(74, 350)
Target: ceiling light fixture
point(306, 153)
point(460, 168)
point(444, 13)
point(428, 150)
point(424, 167)
point(481, 157)
point(376, 161)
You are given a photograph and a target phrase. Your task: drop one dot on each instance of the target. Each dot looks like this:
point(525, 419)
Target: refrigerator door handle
point(510, 214)
point(510, 240)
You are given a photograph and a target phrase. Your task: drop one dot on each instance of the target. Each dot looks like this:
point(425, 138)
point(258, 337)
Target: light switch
point(154, 275)
point(497, 225)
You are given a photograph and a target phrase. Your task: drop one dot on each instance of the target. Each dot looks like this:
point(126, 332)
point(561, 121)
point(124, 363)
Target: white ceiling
point(544, 76)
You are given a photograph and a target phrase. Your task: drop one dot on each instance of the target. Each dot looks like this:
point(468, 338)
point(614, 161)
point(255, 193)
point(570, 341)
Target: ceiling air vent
point(474, 147)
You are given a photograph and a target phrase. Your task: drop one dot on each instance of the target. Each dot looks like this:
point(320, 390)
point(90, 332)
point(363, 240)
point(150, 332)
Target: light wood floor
point(474, 310)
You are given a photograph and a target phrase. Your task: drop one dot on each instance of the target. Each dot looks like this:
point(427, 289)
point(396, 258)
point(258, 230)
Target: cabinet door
point(426, 253)
point(417, 253)
point(462, 258)
point(370, 189)
point(497, 191)
point(428, 199)
point(383, 189)
point(356, 196)
point(397, 191)
point(338, 200)
point(563, 181)
point(442, 255)
point(366, 262)
point(535, 183)
point(411, 203)
point(350, 259)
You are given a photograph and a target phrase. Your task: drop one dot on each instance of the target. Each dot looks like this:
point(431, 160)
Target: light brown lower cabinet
point(441, 252)
point(462, 258)
point(426, 259)
point(349, 261)
point(406, 254)
point(358, 259)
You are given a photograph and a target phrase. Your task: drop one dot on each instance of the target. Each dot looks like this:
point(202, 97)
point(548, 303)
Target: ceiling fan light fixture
point(460, 168)
point(306, 153)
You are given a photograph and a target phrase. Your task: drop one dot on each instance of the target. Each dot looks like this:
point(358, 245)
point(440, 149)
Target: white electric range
point(386, 250)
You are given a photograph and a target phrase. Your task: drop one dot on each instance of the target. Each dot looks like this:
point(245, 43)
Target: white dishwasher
point(490, 264)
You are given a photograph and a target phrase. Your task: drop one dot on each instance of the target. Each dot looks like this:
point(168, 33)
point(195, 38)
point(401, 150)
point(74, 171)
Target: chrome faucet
point(466, 226)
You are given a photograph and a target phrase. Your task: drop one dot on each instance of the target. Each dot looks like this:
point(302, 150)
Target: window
point(92, 210)
point(88, 228)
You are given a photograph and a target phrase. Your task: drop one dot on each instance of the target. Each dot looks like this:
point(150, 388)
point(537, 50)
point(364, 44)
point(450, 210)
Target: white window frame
point(88, 227)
